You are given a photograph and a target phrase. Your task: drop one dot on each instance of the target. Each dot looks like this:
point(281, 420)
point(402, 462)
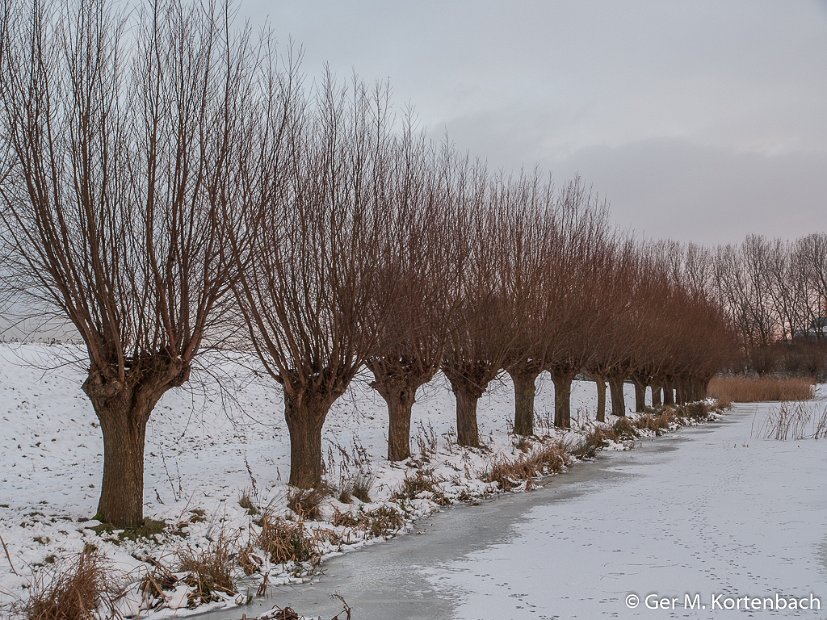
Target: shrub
point(72, 590)
point(743, 389)
point(384, 521)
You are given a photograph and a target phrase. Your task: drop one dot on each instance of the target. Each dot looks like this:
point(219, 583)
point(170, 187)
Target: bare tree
point(477, 345)
point(310, 271)
point(420, 282)
point(123, 154)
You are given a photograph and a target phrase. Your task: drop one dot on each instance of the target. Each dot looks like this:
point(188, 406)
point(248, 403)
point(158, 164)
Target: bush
point(742, 389)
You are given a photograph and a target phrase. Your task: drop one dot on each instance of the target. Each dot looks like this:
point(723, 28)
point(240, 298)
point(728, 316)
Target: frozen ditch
point(709, 511)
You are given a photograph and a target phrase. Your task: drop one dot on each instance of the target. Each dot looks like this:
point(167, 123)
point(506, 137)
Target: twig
point(8, 556)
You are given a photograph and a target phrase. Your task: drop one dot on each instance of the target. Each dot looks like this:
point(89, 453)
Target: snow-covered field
point(206, 446)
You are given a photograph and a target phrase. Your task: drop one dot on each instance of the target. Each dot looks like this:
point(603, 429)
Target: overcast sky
point(701, 120)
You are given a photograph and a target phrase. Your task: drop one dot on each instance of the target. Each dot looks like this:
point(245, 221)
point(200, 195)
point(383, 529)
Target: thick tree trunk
point(657, 401)
point(525, 392)
point(468, 433)
point(400, 399)
point(123, 405)
point(121, 500)
point(305, 417)
point(618, 400)
point(600, 382)
point(562, 398)
point(668, 394)
point(468, 384)
point(640, 396)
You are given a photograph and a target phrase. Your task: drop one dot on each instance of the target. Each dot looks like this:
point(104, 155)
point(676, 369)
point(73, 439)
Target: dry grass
point(795, 421)
point(659, 423)
point(209, 571)
point(384, 521)
point(741, 389)
point(594, 441)
point(549, 459)
point(624, 429)
point(245, 500)
point(72, 590)
point(360, 489)
point(285, 541)
point(424, 480)
point(306, 503)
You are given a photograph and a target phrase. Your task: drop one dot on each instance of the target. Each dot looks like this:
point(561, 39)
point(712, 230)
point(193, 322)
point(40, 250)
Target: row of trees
point(166, 178)
point(776, 294)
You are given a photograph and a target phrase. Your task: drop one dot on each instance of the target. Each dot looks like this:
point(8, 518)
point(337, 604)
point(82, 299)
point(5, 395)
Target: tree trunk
point(640, 397)
point(123, 405)
point(400, 399)
point(600, 382)
point(680, 392)
point(467, 432)
point(121, 500)
point(657, 401)
point(618, 400)
point(525, 391)
point(668, 394)
point(305, 417)
point(562, 398)
point(468, 384)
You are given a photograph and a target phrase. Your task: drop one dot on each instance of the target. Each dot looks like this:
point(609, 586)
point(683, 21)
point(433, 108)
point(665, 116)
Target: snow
point(205, 446)
point(724, 512)
point(709, 510)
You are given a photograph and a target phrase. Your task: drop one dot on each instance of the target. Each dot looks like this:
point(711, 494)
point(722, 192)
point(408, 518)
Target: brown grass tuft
point(624, 429)
point(285, 541)
point(594, 441)
point(424, 480)
point(658, 423)
point(72, 590)
point(209, 570)
point(742, 389)
point(549, 459)
point(306, 503)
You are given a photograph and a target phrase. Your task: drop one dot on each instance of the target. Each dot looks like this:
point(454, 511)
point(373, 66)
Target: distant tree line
point(170, 185)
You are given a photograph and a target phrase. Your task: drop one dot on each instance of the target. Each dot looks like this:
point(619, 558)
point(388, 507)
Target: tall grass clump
point(742, 389)
point(77, 589)
point(549, 459)
point(209, 570)
point(795, 421)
